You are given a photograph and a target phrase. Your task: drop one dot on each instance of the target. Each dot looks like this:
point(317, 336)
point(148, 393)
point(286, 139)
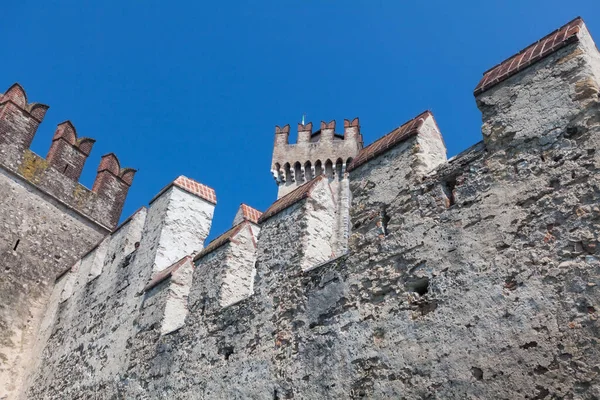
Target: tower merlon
point(112, 183)
point(304, 132)
point(351, 129)
point(282, 135)
point(327, 130)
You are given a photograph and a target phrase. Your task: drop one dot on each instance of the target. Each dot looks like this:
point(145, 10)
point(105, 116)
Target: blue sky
point(197, 87)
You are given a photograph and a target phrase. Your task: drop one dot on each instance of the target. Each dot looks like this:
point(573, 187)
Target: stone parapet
point(57, 175)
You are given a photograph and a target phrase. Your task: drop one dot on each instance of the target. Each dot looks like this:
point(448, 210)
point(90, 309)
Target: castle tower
point(322, 152)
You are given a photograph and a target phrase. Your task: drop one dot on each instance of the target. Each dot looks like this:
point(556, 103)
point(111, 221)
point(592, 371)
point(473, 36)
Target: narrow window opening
point(318, 168)
point(329, 169)
point(16, 244)
point(66, 167)
point(448, 188)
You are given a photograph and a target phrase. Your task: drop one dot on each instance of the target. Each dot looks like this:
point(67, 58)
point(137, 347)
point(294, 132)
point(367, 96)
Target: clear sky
point(196, 88)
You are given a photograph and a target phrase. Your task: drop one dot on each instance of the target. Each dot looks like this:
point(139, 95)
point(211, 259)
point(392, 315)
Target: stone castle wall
point(49, 221)
point(474, 277)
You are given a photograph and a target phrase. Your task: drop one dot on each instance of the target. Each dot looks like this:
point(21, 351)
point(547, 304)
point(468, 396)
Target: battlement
point(322, 152)
point(495, 249)
point(57, 175)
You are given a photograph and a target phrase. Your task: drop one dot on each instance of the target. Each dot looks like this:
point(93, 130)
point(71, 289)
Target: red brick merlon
point(165, 274)
point(68, 153)
point(300, 193)
point(549, 44)
point(380, 146)
point(17, 96)
point(58, 175)
point(222, 240)
point(191, 186)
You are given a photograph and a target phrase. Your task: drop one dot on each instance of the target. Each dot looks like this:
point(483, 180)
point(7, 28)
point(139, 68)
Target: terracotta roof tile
point(251, 214)
point(165, 273)
point(193, 187)
point(289, 199)
point(396, 136)
point(542, 48)
point(220, 241)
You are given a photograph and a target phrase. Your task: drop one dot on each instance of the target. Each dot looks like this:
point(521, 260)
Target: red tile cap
point(250, 214)
point(408, 129)
point(220, 241)
point(549, 44)
point(193, 187)
point(166, 273)
point(290, 199)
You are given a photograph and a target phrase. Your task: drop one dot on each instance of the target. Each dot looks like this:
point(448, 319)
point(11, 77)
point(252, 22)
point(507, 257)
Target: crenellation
point(282, 135)
point(379, 272)
point(181, 219)
point(68, 153)
point(304, 132)
point(352, 129)
point(19, 121)
point(321, 152)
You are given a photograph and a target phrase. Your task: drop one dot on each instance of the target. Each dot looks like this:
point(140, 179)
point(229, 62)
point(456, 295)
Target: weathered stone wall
point(475, 277)
point(39, 237)
point(48, 221)
point(96, 319)
point(239, 270)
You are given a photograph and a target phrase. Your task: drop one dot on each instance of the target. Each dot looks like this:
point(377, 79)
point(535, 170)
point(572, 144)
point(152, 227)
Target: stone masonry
point(394, 273)
point(48, 221)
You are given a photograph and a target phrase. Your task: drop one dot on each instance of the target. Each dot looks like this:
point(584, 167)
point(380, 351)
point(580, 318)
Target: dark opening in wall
point(477, 373)
point(66, 168)
point(420, 286)
point(227, 352)
point(448, 189)
point(16, 244)
point(382, 223)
